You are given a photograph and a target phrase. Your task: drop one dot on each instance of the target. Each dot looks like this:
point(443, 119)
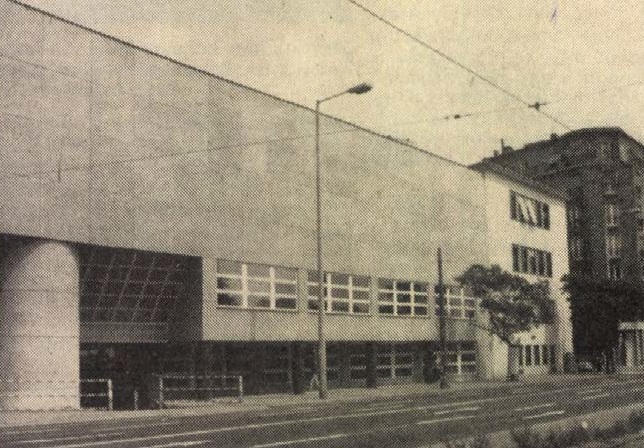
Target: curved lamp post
point(322, 382)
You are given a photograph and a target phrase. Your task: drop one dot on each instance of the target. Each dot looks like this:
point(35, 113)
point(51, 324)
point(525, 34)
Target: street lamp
point(322, 386)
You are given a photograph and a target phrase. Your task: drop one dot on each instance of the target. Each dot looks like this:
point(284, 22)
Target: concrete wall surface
point(503, 232)
point(39, 325)
point(104, 143)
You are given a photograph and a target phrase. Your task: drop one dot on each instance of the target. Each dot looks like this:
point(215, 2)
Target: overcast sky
point(586, 54)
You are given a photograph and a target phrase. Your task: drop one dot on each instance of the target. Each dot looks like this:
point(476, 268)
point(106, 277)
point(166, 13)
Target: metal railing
point(194, 388)
point(42, 390)
point(97, 395)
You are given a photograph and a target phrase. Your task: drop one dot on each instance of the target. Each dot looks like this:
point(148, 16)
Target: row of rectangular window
point(343, 293)
point(461, 358)
point(245, 285)
point(529, 211)
point(536, 355)
point(528, 260)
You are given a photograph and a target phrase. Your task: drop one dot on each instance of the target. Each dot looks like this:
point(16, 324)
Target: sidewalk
point(263, 402)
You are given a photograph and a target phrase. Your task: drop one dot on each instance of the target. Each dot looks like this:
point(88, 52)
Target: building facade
point(156, 218)
point(602, 170)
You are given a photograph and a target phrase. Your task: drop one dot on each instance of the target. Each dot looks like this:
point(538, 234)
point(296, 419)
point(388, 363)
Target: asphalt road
point(409, 421)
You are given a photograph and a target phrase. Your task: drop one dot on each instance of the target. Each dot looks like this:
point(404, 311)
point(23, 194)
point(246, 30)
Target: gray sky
point(589, 54)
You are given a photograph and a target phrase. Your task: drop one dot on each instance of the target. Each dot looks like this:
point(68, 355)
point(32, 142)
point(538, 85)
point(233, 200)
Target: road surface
point(408, 421)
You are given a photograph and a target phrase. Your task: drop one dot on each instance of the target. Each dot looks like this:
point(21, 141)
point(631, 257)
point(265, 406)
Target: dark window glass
point(528, 355)
point(537, 354)
point(515, 258)
point(546, 216)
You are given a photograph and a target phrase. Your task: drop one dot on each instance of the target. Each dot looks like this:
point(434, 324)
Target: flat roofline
point(488, 166)
point(235, 83)
point(541, 144)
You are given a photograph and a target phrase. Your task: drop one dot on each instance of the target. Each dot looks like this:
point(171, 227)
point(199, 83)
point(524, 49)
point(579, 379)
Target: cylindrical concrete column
point(39, 325)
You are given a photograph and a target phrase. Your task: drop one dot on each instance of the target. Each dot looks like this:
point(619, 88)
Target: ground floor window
point(461, 358)
point(395, 360)
point(536, 355)
point(358, 362)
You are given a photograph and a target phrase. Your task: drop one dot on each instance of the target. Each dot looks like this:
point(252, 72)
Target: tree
point(597, 307)
point(514, 305)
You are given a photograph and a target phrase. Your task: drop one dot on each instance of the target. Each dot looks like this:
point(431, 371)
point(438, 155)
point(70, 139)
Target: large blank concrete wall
point(138, 151)
point(103, 143)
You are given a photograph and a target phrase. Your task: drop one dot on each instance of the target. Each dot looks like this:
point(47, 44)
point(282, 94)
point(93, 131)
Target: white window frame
point(615, 269)
point(613, 245)
point(459, 363)
point(611, 215)
point(392, 352)
point(576, 248)
point(245, 291)
point(457, 304)
point(329, 300)
point(396, 292)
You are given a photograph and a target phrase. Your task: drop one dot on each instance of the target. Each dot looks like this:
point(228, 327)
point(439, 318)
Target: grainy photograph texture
point(321, 223)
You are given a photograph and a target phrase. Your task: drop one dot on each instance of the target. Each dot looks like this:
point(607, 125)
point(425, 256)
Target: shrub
point(636, 421)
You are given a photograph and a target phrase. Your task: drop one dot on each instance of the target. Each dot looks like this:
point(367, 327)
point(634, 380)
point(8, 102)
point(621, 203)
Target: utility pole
point(442, 320)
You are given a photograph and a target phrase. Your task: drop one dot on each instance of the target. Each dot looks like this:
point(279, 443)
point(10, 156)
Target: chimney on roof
point(505, 148)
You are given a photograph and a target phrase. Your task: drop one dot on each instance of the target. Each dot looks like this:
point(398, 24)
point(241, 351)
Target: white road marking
point(546, 414)
point(589, 391)
point(398, 406)
point(287, 422)
point(594, 397)
point(107, 427)
point(272, 424)
point(70, 438)
point(530, 408)
point(520, 391)
point(451, 411)
point(166, 445)
point(311, 439)
point(440, 420)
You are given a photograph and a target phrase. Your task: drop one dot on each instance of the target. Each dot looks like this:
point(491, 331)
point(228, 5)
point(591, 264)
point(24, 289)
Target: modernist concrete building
point(602, 170)
point(157, 218)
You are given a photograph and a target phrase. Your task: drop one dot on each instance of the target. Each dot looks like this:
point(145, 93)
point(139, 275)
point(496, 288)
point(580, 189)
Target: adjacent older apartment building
point(602, 170)
point(156, 218)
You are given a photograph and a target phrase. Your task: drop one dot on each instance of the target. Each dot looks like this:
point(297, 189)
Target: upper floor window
point(613, 246)
point(529, 211)
point(402, 297)
point(344, 293)
point(258, 286)
point(614, 269)
point(576, 248)
point(574, 217)
point(528, 260)
point(611, 215)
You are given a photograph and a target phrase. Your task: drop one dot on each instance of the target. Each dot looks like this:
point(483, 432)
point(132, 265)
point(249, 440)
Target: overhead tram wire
point(447, 57)
point(455, 116)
